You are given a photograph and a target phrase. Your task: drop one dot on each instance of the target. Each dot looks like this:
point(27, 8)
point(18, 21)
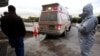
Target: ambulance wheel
point(69, 29)
point(64, 34)
point(48, 36)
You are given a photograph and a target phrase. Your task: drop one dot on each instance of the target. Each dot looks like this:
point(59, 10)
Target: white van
point(54, 20)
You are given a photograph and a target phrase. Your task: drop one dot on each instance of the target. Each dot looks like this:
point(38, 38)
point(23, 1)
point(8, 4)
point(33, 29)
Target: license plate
point(51, 27)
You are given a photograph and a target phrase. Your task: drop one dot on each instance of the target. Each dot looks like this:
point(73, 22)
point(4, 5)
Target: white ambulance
point(54, 20)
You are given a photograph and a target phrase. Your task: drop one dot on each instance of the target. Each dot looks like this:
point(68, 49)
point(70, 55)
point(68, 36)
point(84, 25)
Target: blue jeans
point(18, 44)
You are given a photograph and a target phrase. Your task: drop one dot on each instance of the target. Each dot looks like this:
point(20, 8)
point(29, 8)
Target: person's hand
point(81, 24)
point(78, 25)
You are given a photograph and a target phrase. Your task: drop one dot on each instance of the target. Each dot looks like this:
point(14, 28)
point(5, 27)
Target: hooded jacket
point(89, 23)
point(87, 30)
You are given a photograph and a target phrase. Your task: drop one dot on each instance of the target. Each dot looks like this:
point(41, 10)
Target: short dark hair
point(11, 8)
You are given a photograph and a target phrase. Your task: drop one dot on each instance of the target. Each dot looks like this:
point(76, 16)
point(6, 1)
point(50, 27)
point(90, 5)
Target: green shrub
point(76, 20)
point(31, 19)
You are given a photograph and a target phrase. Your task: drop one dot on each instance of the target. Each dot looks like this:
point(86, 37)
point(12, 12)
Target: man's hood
point(88, 8)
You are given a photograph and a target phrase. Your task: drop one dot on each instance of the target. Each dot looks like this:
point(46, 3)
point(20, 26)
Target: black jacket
point(13, 26)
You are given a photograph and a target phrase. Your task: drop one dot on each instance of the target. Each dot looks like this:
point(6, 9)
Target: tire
point(69, 29)
point(64, 34)
point(48, 36)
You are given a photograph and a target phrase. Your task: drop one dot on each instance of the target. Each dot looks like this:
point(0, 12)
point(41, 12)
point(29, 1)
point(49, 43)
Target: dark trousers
point(18, 44)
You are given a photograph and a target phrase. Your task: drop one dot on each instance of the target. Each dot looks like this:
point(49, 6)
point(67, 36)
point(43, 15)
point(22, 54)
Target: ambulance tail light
point(55, 8)
point(59, 27)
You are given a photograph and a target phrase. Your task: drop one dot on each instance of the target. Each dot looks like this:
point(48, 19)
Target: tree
point(76, 20)
point(31, 19)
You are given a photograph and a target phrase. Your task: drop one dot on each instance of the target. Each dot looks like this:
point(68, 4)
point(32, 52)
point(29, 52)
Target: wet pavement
point(59, 46)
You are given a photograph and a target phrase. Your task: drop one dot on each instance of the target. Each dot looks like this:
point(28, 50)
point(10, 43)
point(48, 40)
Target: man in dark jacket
point(13, 26)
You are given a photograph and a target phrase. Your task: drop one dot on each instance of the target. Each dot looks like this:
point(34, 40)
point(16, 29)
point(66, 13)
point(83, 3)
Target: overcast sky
point(27, 8)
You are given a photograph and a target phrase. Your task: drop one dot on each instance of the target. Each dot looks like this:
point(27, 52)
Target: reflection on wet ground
point(59, 49)
point(59, 46)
